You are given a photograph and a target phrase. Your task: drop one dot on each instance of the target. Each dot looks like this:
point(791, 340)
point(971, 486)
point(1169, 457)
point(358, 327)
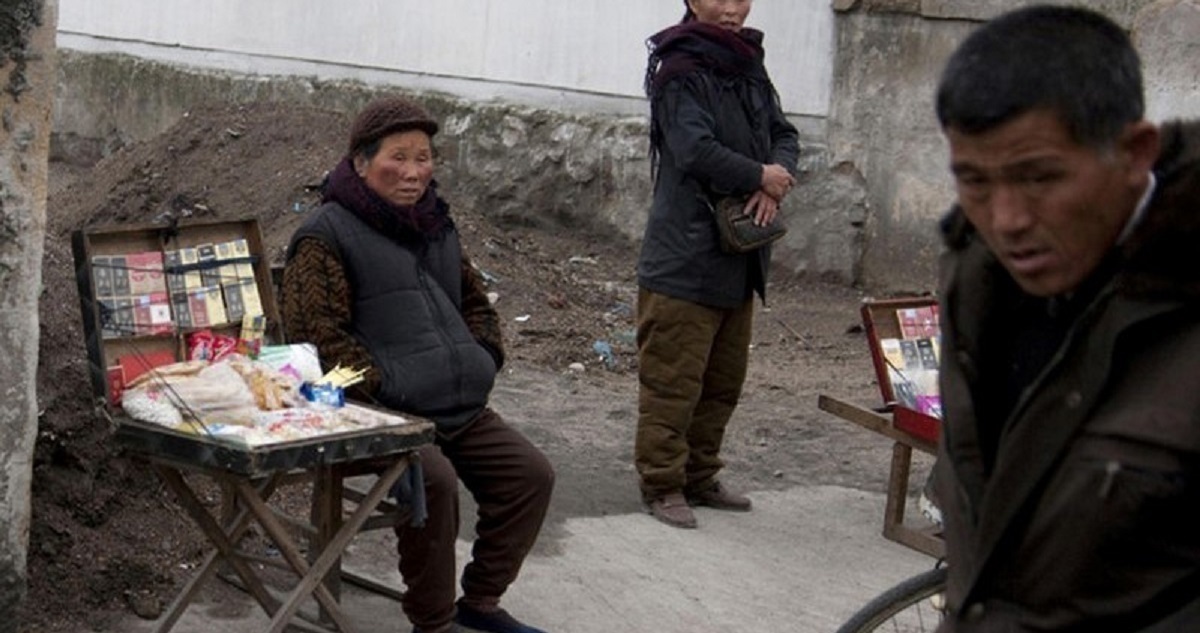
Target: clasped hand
point(764, 204)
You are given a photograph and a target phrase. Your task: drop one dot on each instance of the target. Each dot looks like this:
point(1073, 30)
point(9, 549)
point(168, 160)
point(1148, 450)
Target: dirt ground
point(107, 538)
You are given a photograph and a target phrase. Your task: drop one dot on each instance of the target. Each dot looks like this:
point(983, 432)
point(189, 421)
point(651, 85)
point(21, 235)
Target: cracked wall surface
point(889, 55)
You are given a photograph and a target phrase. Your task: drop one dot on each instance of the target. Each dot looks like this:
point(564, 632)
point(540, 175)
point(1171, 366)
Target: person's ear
point(360, 165)
point(1140, 145)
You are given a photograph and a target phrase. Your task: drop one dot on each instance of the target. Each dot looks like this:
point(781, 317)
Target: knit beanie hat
point(387, 115)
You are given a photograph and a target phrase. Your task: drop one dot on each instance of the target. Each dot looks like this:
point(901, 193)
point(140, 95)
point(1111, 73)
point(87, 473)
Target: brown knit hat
point(387, 115)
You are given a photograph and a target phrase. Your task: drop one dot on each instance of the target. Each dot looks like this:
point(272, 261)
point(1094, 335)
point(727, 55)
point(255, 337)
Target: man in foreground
point(1069, 470)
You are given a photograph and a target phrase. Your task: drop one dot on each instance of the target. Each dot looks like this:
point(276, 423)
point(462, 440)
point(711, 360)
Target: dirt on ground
point(108, 539)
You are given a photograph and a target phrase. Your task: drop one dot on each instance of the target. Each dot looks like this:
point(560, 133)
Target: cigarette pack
point(241, 254)
point(227, 271)
point(189, 259)
point(145, 273)
point(182, 309)
point(172, 266)
point(198, 307)
point(152, 314)
point(210, 274)
point(109, 326)
point(120, 276)
point(250, 300)
point(123, 316)
point(102, 276)
point(233, 302)
point(215, 305)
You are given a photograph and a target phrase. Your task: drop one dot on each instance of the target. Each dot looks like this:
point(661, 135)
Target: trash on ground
point(605, 351)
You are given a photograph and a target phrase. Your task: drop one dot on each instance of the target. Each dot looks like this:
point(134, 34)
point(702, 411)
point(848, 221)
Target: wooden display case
point(907, 428)
point(144, 269)
point(113, 342)
point(880, 320)
point(108, 262)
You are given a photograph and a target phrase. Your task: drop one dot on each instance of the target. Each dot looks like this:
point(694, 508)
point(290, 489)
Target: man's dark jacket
point(1087, 518)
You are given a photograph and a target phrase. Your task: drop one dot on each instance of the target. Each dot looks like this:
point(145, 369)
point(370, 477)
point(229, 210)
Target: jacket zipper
point(423, 276)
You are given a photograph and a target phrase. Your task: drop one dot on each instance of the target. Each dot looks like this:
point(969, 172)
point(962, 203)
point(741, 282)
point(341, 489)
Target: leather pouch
point(739, 233)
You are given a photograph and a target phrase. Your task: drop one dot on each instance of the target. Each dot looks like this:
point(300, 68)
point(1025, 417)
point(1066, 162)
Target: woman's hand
point(776, 181)
point(763, 207)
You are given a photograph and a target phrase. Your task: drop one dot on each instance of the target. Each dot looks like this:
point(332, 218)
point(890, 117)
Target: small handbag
point(739, 233)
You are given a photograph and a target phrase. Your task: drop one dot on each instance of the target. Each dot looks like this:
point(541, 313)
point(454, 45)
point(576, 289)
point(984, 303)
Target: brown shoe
point(673, 510)
point(721, 498)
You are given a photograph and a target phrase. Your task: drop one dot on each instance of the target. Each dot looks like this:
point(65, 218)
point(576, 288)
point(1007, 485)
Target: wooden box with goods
point(905, 339)
point(185, 354)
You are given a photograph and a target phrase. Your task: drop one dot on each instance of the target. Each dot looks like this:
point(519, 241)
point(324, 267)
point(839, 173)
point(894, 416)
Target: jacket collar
point(1160, 258)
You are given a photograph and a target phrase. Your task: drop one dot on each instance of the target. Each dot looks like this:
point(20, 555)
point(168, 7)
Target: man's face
point(1047, 206)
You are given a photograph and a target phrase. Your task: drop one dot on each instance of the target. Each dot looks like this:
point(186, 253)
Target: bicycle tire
point(899, 609)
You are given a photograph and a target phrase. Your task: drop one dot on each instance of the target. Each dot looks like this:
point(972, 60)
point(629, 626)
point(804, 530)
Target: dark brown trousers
point(511, 482)
point(691, 367)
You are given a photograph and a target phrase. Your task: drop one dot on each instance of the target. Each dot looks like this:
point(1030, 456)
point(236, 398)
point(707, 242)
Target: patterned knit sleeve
point(316, 304)
point(478, 312)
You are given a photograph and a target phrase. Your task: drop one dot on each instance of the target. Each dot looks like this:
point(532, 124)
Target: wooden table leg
point(326, 520)
point(894, 528)
point(224, 542)
point(332, 551)
point(897, 492)
point(291, 553)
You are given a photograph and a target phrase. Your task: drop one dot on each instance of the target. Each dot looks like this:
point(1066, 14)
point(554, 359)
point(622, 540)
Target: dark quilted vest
point(407, 312)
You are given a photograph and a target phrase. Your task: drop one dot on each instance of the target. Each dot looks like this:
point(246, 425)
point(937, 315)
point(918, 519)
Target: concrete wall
point(26, 65)
point(546, 53)
point(1167, 34)
point(528, 84)
point(889, 54)
point(875, 177)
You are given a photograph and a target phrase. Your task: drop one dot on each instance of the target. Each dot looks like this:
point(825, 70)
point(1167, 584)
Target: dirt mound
point(106, 538)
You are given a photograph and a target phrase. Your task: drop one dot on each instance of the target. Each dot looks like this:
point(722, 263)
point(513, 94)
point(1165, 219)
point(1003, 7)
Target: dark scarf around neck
point(698, 46)
point(426, 220)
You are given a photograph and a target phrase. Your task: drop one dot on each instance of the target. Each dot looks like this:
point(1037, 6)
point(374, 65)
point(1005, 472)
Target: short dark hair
point(1072, 61)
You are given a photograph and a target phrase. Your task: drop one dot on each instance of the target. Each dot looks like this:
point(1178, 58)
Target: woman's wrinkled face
point(727, 14)
point(401, 170)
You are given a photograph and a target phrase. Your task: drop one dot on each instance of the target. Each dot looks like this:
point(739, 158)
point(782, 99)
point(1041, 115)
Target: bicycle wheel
point(913, 606)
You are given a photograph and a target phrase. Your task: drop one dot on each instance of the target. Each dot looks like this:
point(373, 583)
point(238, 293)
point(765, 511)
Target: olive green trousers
point(691, 367)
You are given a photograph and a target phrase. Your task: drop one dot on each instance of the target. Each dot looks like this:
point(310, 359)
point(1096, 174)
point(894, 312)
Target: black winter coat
point(717, 133)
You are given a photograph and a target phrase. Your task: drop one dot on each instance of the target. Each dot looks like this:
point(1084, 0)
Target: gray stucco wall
point(871, 192)
point(882, 124)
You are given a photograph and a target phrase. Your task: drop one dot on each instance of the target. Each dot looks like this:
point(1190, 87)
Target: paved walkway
point(802, 562)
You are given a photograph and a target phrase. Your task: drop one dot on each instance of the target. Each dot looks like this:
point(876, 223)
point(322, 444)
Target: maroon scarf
point(698, 46)
point(423, 221)
point(694, 45)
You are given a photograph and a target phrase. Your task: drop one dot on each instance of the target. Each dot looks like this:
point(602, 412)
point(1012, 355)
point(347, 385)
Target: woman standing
point(716, 130)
